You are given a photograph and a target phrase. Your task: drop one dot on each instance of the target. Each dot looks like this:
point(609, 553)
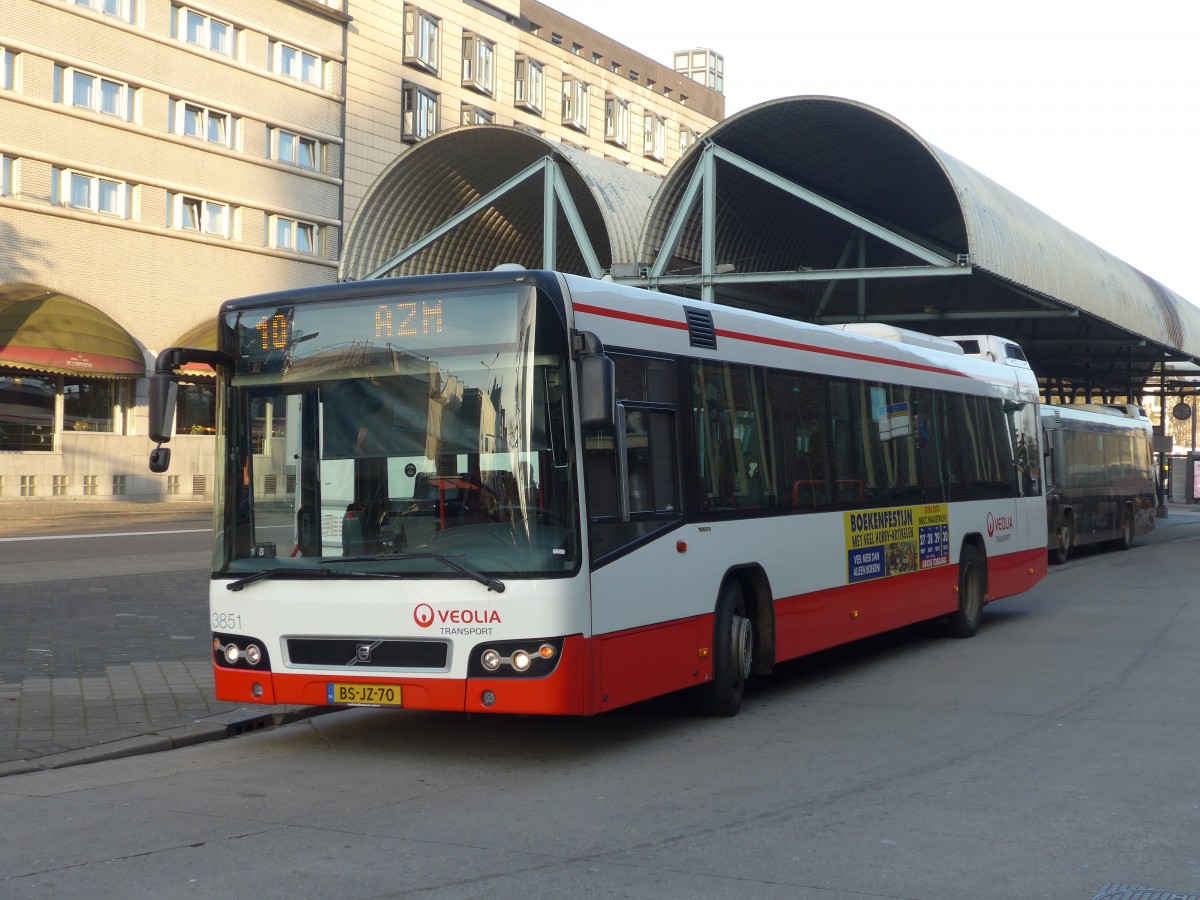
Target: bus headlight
point(534, 658)
point(232, 654)
point(253, 655)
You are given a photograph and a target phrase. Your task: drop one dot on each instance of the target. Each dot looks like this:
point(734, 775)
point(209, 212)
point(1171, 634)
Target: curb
point(214, 728)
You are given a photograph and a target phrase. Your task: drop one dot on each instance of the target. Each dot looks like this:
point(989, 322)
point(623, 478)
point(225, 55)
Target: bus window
point(799, 443)
point(730, 429)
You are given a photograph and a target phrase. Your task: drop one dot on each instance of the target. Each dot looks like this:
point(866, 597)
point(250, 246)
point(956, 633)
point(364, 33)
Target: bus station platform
point(75, 689)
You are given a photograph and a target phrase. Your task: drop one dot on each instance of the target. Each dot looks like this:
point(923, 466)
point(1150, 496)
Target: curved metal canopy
point(474, 197)
point(817, 208)
point(826, 209)
point(45, 331)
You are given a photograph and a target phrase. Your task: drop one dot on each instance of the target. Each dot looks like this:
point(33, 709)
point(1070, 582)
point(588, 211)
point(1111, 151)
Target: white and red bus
point(528, 492)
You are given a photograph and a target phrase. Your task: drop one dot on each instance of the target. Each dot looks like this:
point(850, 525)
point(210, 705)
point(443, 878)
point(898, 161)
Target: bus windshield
point(400, 435)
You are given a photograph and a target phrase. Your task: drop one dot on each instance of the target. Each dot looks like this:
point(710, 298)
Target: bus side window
point(799, 446)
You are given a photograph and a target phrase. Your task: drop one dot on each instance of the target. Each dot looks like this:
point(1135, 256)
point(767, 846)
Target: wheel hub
point(742, 644)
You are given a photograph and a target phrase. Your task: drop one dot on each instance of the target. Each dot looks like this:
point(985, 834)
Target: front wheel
point(964, 622)
point(733, 652)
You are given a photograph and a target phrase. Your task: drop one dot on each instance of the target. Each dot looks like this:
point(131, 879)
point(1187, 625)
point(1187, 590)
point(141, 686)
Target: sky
point(1087, 109)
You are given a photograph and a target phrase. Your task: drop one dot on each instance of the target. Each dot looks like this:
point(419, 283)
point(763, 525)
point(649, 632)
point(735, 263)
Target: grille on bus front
point(368, 653)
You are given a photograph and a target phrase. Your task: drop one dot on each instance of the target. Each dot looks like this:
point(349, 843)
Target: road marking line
point(75, 537)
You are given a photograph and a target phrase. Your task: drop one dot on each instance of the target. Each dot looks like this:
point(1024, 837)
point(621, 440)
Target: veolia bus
point(529, 492)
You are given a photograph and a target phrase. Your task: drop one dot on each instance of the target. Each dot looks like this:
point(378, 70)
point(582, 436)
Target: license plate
point(363, 694)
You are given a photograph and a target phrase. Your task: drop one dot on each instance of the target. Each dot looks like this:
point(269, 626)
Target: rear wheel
point(1125, 541)
point(733, 652)
point(964, 622)
point(1064, 541)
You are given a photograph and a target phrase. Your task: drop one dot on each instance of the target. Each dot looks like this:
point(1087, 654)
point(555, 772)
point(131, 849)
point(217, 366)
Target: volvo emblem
point(362, 652)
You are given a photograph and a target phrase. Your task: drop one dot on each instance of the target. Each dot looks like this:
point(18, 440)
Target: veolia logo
point(997, 524)
point(423, 615)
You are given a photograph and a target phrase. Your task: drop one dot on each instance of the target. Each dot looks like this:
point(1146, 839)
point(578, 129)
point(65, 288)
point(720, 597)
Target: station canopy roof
point(816, 208)
point(45, 331)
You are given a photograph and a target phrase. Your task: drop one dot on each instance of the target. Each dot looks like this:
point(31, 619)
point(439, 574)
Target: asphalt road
point(1051, 756)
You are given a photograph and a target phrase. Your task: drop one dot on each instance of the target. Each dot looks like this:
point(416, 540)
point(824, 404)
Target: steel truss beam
point(556, 195)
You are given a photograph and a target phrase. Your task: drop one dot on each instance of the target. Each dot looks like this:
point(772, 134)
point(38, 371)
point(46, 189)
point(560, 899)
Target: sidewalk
point(119, 665)
point(114, 665)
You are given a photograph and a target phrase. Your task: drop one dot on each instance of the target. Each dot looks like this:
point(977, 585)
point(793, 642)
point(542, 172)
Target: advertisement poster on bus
point(881, 543)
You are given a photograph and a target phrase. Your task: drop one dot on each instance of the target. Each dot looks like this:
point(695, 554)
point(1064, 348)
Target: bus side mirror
point(160, 460)
point(597, 383)
point(164, 390)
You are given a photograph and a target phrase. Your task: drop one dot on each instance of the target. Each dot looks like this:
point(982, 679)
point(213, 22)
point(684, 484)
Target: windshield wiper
point(492, 584)
point(272, 573)
point(324, 572)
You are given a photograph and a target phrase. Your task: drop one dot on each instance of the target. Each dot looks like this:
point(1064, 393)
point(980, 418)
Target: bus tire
point(1065, 541)
point(964, 621)
point(733, 652)
point(1125, 541)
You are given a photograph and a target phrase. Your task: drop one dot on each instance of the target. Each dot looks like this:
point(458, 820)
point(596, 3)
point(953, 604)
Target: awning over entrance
point(44, 331)
point(202, 337)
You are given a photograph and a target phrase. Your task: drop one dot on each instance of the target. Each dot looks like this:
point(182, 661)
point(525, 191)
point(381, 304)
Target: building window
point(298, 64)
point(196, 408)
point(87, 91)
point(199, 215)
point(616, 120)
point(633, 76)
point(575, 104)
point(121, 9)
point(205, 31)
point(28, 485)
point(290, 234)
point(421, 39)
point(474, 115)
point(529, 88)
point(654, 138)
point(92, 404)
point(80, 190)
point(294, 149)
point(59, 486)
point(419, 113)
point(7, 187)
point(8, 76)
point(556, 39)
point(89, 485)
point(27, 412)
point(687, 137)
point(478, 53)
point(204, 124)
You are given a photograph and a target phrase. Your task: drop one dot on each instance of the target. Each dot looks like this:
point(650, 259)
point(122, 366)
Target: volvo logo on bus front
point(362, 652)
